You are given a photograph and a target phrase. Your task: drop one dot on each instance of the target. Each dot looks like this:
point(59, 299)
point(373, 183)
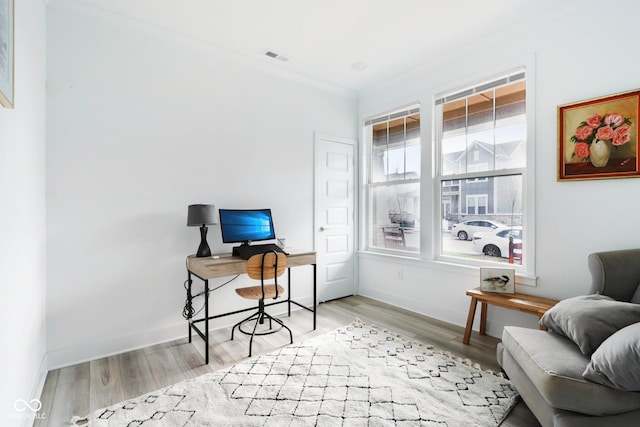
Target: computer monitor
point(246, 225)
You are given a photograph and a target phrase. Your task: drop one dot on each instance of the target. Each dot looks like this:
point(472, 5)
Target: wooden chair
point(266, 266)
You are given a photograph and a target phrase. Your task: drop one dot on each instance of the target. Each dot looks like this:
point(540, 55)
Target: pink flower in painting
point(610, 127)
point(604, 133)
point(584, 132)
point(581, 149)
point(614, 120)
point(594, 121)
point(622, 135)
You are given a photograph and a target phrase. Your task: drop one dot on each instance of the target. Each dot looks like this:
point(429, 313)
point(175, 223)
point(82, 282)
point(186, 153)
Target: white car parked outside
point(496, 242)
point(466, 229)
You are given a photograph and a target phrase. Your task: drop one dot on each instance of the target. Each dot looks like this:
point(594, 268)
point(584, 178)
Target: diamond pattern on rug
point(356, 375)
point(143, 411)
point(314, 386)
point(307, 383)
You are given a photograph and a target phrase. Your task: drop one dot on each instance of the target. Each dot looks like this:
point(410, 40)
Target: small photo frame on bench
point(498, 280)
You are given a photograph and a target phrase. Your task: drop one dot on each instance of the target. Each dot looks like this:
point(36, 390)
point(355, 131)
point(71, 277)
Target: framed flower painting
point(598, 138)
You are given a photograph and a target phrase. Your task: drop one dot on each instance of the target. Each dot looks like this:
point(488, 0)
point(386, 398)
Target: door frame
point(317, 136)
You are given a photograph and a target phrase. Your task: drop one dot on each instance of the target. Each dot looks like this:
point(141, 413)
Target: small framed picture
point(498, 280)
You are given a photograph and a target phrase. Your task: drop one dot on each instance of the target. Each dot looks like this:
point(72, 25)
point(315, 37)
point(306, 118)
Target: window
point(393, 181)
point(477, 204)
point(481, 136)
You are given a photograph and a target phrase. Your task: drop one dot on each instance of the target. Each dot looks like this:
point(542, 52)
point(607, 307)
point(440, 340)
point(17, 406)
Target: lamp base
point(203, 249)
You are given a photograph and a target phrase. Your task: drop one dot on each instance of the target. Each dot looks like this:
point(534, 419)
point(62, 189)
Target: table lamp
point(202, 215)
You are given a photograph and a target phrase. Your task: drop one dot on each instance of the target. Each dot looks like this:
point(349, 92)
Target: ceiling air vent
point(274, 55)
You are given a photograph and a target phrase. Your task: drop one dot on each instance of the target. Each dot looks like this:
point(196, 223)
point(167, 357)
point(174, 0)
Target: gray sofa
point(547, 367)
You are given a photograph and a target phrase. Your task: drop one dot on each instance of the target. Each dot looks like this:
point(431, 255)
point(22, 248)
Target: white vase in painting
point(599, 153)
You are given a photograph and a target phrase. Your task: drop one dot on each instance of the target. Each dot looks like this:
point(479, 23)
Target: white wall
point(22, 220)
point(142, 123)
point(581, 55)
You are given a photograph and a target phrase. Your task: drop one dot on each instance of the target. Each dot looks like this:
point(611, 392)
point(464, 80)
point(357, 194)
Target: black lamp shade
point(201, 215)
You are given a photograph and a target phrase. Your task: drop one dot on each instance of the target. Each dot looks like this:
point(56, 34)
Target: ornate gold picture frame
point(598, 138)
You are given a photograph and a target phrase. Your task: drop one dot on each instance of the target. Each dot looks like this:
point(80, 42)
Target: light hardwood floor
point(80, 389)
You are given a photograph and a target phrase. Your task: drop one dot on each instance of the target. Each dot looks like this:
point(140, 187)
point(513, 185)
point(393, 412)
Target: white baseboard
point(406, 303)
point(93, 350)
point(97, 349)
point(495, 323)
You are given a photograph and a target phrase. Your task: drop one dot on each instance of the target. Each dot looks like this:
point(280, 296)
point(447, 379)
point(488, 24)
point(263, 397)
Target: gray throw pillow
point(616, 363)
point(588, 320)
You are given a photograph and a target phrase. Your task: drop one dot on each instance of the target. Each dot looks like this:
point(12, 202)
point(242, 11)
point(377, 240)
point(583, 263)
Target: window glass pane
point(395, 153)
point(510, 146)
point(510, 100)
point(483, 131)
point(402, 163)
point(454, 115)
point(453, 148)
point(395, 212)
point(413, 127)
point(492, 133)
point(489, 207)
point(480, 151)
point(393, 204)
point(394, 163)
point(481, 109)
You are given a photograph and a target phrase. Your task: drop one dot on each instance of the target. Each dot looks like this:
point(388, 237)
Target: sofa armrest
point(615, 273)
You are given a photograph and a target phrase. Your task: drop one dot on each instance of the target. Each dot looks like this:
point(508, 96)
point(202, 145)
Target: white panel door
point(334, 216)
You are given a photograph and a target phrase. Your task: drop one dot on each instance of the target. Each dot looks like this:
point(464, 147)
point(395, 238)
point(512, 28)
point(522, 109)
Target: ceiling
point(351, 44)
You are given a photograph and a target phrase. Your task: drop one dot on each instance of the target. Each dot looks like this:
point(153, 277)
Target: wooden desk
point(206, 268)
point(520, 302)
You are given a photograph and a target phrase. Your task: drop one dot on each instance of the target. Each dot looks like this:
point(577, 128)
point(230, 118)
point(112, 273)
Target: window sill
point(396, 256)
point(441, 265)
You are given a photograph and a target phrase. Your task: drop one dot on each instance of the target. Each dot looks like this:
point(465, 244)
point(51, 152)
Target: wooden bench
point(521, 302)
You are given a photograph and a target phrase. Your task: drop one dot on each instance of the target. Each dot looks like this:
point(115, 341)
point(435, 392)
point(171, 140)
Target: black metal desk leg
point(189, 302)
point(289, 291)
point(315, 307)
point(206, 322)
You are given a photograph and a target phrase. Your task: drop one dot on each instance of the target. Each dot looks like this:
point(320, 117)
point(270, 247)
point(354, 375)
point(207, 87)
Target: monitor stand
point(242, 251)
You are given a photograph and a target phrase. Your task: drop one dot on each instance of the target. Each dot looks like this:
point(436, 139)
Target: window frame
point(526, 271)
point(370, 185)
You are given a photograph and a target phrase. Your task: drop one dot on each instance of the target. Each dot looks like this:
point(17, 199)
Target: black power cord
point(188, 311)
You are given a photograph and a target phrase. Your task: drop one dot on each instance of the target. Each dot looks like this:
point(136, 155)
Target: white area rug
point(358, 375)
